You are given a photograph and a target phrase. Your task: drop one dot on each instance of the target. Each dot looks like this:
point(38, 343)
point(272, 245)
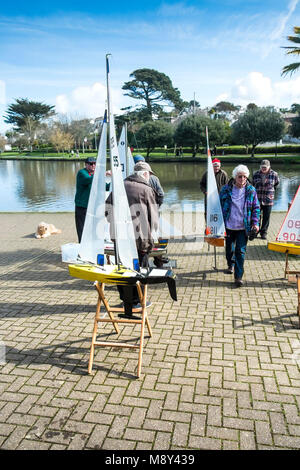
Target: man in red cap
point(221, 179)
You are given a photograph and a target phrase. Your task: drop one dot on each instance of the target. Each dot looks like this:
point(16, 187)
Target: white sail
point(92, 242)
point(215, 223)
point(122, 152)
point(126, 158)
point(125, 245)
point(290, 230)
point(130, 163)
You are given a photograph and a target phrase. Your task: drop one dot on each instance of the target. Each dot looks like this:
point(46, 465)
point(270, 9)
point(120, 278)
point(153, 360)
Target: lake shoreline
point(49, 186)
point(279, 159)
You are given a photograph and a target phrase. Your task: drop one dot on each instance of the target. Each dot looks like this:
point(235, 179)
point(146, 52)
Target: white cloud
point(259, 89)
point(88, 101)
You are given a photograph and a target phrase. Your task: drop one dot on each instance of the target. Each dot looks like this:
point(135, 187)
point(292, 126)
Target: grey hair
point(240, 169)
point(141, 173)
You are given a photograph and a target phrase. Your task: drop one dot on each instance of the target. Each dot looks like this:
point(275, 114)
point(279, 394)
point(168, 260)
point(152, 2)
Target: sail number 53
point(115, 161)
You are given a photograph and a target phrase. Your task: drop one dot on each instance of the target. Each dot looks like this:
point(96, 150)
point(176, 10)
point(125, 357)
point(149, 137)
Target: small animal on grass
point(45, 230)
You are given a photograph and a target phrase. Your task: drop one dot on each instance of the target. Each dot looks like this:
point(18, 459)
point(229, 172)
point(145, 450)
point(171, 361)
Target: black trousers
point(129, 294)
point(265, 218)
point(80, 213)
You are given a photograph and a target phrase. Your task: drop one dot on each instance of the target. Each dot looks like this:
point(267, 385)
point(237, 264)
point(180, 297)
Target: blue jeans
point(236, 243)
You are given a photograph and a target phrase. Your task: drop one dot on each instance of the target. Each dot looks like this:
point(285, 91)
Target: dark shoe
point(263, 236)
point(229, 270)
point(158, 262)
point(238, 282)
point(129, 316)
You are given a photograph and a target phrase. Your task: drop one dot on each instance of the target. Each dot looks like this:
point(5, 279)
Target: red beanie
point(216, 160)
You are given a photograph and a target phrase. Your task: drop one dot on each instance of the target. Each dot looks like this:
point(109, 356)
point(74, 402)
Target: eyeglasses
point(242, 176)
point(92, 163)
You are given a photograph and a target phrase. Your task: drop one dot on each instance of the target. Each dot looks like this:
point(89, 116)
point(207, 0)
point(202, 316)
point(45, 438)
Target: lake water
point(49, 186)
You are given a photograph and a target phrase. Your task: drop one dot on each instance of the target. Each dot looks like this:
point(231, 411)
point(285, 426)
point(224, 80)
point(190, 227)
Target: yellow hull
point(284, 248)
point(110, 274)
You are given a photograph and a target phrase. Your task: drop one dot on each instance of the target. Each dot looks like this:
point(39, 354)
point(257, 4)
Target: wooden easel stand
point(144, 321)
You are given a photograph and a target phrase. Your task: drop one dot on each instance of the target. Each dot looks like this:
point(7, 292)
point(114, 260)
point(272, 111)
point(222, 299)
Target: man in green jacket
point(84, 181)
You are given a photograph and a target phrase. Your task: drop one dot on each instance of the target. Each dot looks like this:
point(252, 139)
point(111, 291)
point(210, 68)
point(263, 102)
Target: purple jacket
point(251, 205)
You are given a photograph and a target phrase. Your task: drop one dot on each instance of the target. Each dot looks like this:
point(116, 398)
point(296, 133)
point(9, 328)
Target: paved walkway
point(220, 372)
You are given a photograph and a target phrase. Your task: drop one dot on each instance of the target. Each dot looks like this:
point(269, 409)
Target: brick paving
point(220, 372)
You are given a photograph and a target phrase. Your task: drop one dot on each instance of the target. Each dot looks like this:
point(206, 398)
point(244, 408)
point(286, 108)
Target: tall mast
point(126, 152)
point(207, 143)
point(112, 145)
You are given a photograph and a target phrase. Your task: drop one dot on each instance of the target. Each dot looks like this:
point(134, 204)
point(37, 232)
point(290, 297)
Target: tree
point(225, 107)
point(80, 129)
point(258, 125)
point(295, 108)
point(155, 88)
point(251, 106)
point(191, 107)
point(294, 129)
point(61, 140)
point(2, 143)
point(154, 134)
point(191, 131)
point(224, 110)
point(25, 114)
point(295, 50)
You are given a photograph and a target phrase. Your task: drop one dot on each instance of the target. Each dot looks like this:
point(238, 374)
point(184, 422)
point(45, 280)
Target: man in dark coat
point(159, 196)
point(265, 181)
point(144, 213)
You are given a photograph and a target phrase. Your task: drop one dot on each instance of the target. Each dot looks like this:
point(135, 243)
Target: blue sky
point(218, 50)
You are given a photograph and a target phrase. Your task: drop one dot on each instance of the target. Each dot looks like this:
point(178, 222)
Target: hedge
point(231, 149)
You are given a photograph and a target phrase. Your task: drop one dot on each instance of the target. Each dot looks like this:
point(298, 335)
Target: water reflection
point(50, 185)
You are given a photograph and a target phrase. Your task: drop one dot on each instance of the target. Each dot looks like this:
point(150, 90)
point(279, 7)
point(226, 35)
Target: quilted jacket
point(251, 205)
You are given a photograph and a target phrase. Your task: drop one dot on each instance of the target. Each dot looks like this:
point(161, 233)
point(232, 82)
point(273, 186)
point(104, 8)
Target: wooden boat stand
point(215, 242)
point(286, 269)
point(112, 319)
point(296, 278)
point(298, 289)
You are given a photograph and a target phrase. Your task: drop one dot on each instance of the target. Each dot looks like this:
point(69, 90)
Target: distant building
point(288, 117)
